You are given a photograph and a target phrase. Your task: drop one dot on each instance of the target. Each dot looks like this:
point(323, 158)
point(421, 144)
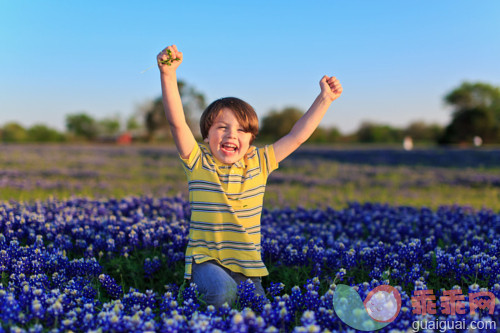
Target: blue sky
point(395, 59)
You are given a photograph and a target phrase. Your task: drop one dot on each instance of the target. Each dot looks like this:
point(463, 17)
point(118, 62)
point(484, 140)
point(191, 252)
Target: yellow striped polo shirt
point(226, 205)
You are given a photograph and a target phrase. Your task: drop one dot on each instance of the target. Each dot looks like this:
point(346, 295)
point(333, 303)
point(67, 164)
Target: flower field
point(93, 239)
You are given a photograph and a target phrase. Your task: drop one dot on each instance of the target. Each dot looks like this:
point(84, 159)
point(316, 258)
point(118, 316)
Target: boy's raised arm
point(168, 61)
point(305, 126)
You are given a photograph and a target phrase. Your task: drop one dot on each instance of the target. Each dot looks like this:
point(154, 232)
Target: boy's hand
point(169, 59)
point(330, 87)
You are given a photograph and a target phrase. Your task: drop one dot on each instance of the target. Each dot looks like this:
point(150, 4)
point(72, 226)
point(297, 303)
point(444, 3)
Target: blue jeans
point(218, 285)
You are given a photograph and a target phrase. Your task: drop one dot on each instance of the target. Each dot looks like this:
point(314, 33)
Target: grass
point(117, 171)
point(294, 195)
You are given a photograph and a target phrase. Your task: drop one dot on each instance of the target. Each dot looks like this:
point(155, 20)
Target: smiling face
point(227, 138)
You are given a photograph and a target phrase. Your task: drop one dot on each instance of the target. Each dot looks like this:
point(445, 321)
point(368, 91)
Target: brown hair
point(244, 113)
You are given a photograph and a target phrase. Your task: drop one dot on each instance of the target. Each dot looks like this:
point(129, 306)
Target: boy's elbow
point(176, 124)
point(303, 139)
point(178, 130)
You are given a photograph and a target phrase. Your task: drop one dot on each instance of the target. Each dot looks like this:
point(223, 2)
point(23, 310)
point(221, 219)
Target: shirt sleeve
point(194, 158)
point(270, 163)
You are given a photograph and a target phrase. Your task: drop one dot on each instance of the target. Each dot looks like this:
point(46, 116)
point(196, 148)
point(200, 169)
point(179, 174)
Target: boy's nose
point(231, 133)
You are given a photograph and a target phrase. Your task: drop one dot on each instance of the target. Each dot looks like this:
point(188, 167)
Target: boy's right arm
point(183, 137)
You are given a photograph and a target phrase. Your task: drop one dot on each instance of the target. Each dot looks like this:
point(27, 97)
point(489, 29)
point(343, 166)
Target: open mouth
point(229, 147)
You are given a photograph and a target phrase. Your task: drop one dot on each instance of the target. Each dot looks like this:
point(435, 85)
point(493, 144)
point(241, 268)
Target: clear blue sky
point(395, 59)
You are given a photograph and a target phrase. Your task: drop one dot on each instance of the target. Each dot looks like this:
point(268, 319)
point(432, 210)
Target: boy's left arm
point(305, 126)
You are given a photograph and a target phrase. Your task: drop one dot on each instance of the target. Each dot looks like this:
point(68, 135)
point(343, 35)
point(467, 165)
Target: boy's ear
point(206, 140)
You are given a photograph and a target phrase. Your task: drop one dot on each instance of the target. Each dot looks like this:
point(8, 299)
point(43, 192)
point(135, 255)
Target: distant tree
point(193, 102)
point(369, 132)
point(109, 126)
point(13, 132)
point(277, 124)
point(82, 125)
point(325, 135)
point(42, 133)
point(155, 120)
point(320, 135)
point(476, 111)
point(470, 123)
point(132, 123)
point(333, 134)
point(475, 95)
point(421, 131)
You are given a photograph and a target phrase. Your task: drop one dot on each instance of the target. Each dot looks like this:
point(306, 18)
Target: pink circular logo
point(383, 303)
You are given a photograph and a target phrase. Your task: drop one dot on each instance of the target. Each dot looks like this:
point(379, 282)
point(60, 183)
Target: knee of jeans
point(220, 294)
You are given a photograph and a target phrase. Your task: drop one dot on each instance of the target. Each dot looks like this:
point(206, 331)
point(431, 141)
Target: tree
point(421, 131)
point(155, 120)
point(469, 123)
point(377, 133)
point(333, 134)
point(193, 102)
point(277, 124)
point(476, 112)
point(325, 135)
point(320, 135)
point(109, 126)
point(82, 125)
point(13, 132)
point(42, 133)
point(132, 123)
point(475, 95)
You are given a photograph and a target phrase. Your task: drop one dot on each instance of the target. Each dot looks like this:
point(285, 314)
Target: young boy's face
point(227, 139)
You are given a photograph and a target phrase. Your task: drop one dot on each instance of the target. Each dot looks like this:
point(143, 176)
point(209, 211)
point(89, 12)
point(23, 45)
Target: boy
point(227, 180)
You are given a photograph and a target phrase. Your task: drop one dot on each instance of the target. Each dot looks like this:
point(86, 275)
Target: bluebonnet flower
point(9, 307)
point(109, 284)
point(134, 301)
point(246, 297)
point(224, 310)
point(37, 309)
point(311, 299)
point(151, 266)
point(174, 323)
point(383, 240)
point(36, 328)
point(296, 301)
point(308, 321)
point(340, 274)
point(190, 300)
point(275, 288)
point(200, 323)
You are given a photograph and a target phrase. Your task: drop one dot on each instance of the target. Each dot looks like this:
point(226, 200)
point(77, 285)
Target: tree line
point(475, 114)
